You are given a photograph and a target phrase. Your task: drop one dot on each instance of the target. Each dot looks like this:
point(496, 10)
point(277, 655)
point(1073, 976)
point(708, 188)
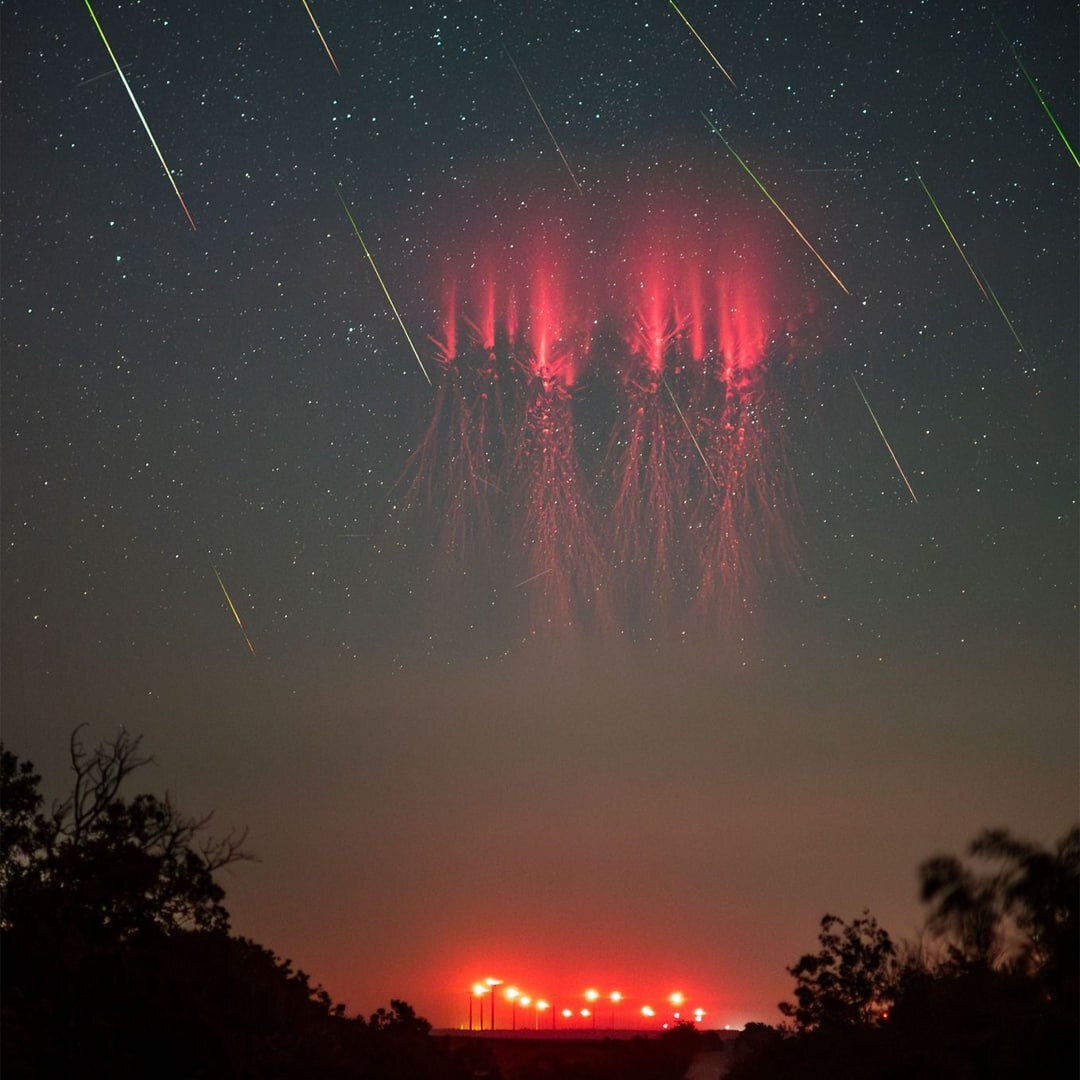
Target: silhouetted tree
point(849, 981)
point(118, 964)
point(100, 864)
point(1021, 906)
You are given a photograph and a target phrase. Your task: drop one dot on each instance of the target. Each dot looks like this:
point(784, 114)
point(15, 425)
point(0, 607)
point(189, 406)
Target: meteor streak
point(1042, 100)
point(798, 233)
point(896, 461)
point(232, 608)
point(386, 291)
point(703, 45)
point(321, 38)
point(952, 236)
point(534, 577)
point(693, 437)
point(127, 87)
point(1008, 321)
point(542, 120)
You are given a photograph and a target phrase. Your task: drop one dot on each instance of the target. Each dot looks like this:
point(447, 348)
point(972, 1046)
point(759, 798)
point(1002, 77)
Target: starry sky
point(442, 778)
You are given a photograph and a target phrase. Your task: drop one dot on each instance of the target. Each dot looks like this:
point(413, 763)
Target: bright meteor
point(1042, 100)
point(321, 38)
point(765, 192)
point(703, 45)
point(127, 87)
point(385, 290)
point(896, 461)
point(232, 608)
point(542, 120)
point(952, 235)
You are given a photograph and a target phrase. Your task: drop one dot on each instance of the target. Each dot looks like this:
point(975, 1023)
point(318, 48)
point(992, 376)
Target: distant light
point(567, 1013)
point(586, 1013)
point(647, 1011)
point(493, 982)
point(677, 998)
point(541, 1005)
point(592, 995)
point(479, 988)
point(525, 1000)
point(512, 992)
point(616, 996)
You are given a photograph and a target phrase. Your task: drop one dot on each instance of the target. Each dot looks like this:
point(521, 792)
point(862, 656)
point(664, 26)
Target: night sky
point(611, 775)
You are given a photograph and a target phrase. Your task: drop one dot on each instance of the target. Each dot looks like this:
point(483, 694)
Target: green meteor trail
point(127, 87)
point(892, 454)
point(700, 39)
point(765, 192)
point(1042, 100)
point(232, 608)
point(952, 235)
point(386, 291)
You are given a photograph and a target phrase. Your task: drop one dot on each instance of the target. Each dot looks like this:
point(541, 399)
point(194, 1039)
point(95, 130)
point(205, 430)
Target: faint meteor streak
point(896, 460)
point(1042, 100)
point(1008, 321)
point(690, 432)
point(93, 78)
point(127, 87)
point(703, 45)
point(765, 192)
point(534, 577)
point(232, 608)
point(385, 290)
point(321, 38)
point(952, 236)
point(542, 120)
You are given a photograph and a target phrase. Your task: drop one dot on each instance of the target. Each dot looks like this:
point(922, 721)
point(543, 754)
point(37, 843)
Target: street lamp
point(478, 991)
point(616, 997)
point(648, 1011)
point(591, 996)
point(493, 983)
point(541, 1005)
point(513, 994)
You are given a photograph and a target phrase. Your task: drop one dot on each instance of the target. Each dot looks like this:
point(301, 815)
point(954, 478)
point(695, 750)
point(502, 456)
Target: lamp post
point(513, 994)
point(478, 991)
point(591, 996)
point(493, 983)
point(616, 997)
point(541, 1005)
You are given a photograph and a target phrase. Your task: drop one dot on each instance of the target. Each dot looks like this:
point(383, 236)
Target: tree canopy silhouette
point(117, 958)
point(849, 980)
point(103, 864)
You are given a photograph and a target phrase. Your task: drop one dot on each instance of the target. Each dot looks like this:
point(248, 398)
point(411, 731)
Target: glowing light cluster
point(575, 1015)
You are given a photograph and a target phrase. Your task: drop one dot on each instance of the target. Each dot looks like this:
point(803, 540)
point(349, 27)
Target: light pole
point(493, 983)
point(616, 997)
point(591, 996)
point(541, 1005)
point(513, 994)
point(478, 991)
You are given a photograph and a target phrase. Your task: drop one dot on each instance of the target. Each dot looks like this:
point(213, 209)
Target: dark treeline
point(990, 993)
point(118, 961)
